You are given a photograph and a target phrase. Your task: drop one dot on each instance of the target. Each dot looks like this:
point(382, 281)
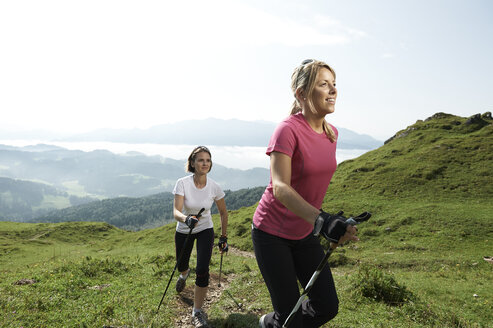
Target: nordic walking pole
point(239, 305)
point(179, 259)
point(223, 247)
point(220, 270)
point(352, 221)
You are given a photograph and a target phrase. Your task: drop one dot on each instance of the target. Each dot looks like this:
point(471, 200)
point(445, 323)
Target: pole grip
point(199, 214)
point(365, 216)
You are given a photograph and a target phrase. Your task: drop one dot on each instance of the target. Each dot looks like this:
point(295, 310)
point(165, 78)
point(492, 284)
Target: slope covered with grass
point(444, 157)
point(419, 262)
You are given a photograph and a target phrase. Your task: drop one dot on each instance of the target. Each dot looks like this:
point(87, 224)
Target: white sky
point(74, 66)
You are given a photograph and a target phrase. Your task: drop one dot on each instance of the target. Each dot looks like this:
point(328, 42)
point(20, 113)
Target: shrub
point(373, 283)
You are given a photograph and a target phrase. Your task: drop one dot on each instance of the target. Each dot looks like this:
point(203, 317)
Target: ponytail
point(329, 132)
point(295, 107)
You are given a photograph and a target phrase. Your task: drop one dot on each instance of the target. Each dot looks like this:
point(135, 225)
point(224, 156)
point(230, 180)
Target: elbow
point(278, 191)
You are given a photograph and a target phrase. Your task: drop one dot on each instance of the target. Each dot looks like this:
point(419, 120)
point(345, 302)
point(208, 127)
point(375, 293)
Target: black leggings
point(282, 263)
point(205, 243)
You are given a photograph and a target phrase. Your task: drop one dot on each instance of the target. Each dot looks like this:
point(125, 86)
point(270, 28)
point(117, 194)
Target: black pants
point(205, 243)
point(282, 263)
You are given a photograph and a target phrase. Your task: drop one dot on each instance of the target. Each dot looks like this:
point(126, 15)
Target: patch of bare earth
point(25, 282)
point(184, 300)
point(236, 251)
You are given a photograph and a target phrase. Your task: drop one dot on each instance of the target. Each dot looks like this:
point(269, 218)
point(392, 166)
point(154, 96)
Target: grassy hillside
point(419, 262)
point(441, 158)
point(93, 275)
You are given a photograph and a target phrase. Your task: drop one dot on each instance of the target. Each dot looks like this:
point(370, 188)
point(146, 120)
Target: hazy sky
point(74, 66)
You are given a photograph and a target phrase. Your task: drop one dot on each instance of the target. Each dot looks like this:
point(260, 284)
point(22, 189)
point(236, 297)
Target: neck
point(200, 180)
point(315, 122)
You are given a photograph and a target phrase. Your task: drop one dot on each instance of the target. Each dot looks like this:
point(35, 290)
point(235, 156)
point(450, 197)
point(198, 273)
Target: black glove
point(191, 221)
point(223, 244)
point(331, 227)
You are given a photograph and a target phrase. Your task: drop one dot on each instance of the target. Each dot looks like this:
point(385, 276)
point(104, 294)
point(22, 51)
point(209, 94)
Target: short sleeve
point(179, 188)
point(283, 140)
point(218, 192)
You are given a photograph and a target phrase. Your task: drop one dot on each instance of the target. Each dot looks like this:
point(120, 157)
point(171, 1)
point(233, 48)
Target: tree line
point(141, 213)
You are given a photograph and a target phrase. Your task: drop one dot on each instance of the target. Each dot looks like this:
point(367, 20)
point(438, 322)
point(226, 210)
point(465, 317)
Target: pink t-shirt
point(313, 162)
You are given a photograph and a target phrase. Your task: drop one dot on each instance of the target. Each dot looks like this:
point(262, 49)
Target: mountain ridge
point(212, 131)
point(101, 173)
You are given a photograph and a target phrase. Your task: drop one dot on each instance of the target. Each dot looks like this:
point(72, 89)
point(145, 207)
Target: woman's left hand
point(223, 244)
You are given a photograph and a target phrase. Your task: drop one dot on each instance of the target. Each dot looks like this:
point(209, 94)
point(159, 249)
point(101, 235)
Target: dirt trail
point(236, 251)
point(41, 235)
point(185, 299)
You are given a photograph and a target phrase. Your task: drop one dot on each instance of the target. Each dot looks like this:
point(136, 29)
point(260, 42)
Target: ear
point(300, 94)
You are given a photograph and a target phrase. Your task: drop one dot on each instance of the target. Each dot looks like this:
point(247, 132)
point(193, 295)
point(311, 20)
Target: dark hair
point(199, 149)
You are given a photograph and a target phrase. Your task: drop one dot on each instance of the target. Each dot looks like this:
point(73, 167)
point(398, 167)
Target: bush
point(371, 282)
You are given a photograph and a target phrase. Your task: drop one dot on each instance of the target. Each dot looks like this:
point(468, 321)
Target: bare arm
point(281, 181)
point(223, 212)
point(280, 166)
point(177, 207)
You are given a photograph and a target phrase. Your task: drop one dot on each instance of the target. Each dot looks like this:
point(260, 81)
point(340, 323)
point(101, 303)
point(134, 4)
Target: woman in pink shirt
point(302, 160)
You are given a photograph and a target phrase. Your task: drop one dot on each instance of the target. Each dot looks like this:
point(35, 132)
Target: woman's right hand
point(334, 228)
point(191, 221)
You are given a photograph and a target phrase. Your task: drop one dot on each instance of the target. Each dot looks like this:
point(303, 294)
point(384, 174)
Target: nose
point(332, 90)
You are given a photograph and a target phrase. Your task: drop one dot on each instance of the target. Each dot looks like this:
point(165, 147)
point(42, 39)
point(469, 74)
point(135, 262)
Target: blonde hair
point(304, 77)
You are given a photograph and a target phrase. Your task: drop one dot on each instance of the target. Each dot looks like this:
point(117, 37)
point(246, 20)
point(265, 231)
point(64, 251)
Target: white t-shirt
point(195, 199)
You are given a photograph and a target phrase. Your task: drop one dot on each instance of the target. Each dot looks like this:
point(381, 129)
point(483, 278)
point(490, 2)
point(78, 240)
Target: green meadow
point(420, 261)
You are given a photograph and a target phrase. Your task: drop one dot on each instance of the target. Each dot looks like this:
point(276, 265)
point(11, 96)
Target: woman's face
point(202, 163)
point(325, 93)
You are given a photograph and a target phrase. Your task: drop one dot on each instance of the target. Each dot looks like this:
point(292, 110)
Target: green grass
point(419, 262)
point(135, 267)
point(68, 260)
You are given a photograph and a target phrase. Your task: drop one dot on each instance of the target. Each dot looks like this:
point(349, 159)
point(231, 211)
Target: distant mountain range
point(194, 132)
point(102, 174)
point(214, 132)
point(38, 178)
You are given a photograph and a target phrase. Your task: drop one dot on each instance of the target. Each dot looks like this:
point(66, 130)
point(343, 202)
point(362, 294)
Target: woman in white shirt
point(192, 193)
